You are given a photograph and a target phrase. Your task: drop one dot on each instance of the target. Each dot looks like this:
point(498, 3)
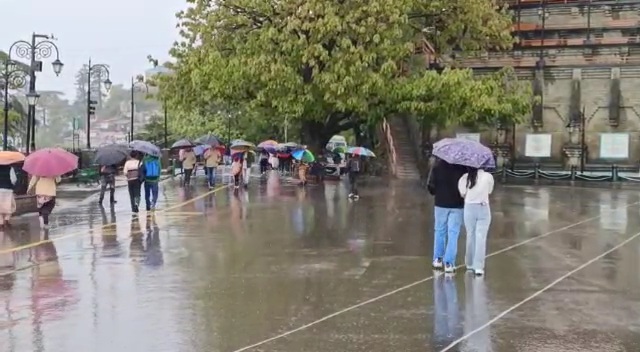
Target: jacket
point(44, 186)
point(443, 184)
point(8, 177)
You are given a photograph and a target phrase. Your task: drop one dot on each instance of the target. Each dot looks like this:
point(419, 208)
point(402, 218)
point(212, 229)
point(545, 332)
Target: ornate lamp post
point(137, 84)
point(41, 47)
point(12, 76)
point(99, 70)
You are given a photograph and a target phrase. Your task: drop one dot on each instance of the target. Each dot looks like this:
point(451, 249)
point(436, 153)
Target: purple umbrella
point(464, 152)
point(50, 162)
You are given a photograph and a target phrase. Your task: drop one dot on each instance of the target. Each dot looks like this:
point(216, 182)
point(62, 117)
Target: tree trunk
point(315, 135)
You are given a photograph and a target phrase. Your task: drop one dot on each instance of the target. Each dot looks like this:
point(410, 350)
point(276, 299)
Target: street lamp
point(137, 84)
point(13, 76)
point(41, 47)
point(162, 71)
point(99, 70)
point(32, 98)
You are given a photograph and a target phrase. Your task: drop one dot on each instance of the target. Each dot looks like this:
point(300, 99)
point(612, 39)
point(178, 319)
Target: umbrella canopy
point(209, 139)
point(288, 145)
point(146, 148)
point(183, 144)
point(360, 151)
point(200, 149)
point(339, 149)
point(8, 157)
point(268, 143)
point(464, 152)
point(242, 144)
point(303, 155)
point(50, 162)
point(111, 155)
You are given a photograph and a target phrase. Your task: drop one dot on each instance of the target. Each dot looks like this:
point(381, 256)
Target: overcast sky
point(120, 33)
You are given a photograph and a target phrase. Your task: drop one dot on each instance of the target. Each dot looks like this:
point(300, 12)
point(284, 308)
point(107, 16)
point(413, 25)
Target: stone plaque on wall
point(470, 136)
point(538, 145)
point(614, 145)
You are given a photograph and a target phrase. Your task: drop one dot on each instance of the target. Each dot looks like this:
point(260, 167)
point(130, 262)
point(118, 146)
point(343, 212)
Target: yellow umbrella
point(9, 157)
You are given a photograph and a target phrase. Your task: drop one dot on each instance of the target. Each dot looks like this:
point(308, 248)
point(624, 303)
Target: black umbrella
point(183, 144)
point(111, 155)
point(210, 139)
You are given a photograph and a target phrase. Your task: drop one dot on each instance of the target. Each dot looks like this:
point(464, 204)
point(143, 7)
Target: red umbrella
point(50, 162)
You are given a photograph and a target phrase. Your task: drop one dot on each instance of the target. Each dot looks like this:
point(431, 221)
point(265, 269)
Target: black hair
point(472, 177)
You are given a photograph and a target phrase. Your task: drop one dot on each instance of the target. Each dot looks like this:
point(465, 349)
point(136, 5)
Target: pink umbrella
point(50, 162)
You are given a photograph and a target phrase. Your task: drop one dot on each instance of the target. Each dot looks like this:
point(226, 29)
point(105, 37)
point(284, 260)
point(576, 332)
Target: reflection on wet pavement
point(229, 272)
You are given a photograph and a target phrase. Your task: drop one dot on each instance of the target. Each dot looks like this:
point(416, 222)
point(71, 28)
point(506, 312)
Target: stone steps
point(406, 163)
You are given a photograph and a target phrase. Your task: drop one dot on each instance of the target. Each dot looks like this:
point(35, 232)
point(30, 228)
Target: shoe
point(437, 264)
point(356, 196)
point(479, 272)
point(448, 268)
point(350, 195)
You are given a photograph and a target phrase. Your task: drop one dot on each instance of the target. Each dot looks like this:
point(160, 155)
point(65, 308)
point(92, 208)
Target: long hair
point(472, 177)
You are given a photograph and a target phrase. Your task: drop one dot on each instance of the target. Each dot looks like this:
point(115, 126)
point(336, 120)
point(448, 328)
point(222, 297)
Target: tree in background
point(326, 67)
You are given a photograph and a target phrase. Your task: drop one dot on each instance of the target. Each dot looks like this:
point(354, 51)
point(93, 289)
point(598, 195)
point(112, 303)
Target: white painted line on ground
point(403, 288)
point(538, 293)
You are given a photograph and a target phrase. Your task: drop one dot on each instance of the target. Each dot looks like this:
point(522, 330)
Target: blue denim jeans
point(151, 194)
point(211, 176)
point(477, 219)
point(447, 224)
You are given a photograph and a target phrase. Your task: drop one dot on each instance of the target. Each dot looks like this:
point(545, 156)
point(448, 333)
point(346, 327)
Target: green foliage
point(329, 66)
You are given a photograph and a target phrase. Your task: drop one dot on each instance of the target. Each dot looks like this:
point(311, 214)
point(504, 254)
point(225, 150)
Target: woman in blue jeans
point(476, 186)
point(443, 185)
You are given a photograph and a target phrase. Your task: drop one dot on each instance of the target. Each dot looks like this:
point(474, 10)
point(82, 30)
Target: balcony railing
point(551, 61)
point(551, 42)
point(612, 24)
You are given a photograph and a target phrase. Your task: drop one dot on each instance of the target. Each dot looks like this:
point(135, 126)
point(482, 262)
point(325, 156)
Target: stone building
point(583, 60)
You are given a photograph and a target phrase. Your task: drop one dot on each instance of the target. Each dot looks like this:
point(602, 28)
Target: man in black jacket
point(448, 213)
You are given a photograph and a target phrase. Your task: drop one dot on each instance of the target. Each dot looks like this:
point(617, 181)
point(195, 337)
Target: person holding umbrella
point(211, 160)
point(189, 160)
point(132, 173)
point(150, 174)
point(108, 157)
point(8, 179)
point(455, 156)
point(46, 166)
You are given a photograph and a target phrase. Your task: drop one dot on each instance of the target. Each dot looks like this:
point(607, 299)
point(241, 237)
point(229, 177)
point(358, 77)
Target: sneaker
point(437, 264)
point(448, 268)
point(350, 195)
point(479, 272)
point(356, 196)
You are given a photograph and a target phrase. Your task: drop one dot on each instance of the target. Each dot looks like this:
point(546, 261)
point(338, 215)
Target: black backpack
point(355, 165)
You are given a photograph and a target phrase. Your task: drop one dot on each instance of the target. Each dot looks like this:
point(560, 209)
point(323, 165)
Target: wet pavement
point(280, 268)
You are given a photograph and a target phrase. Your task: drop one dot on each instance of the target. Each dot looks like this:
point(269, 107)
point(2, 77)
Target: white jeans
point(477, 219)
point(246, 175)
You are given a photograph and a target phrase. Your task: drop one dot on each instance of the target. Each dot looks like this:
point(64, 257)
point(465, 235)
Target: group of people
point(189, 161)
point(44, 188)
point(461, 195)
point(140, 170)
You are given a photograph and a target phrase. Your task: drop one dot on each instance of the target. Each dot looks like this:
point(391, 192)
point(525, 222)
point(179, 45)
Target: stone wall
point(608, 97)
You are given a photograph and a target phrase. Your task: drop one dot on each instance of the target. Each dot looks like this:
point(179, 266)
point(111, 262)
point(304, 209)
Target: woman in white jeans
point(475, 187)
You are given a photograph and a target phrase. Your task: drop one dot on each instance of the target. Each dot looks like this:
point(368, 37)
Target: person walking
point(264, 162)
point(45, 189)
point(354, 167)
point(8, 179)
point(475, 186)
point(108, 180)
point(132, 172)
point(236, 171)
point(303, 168)
point(188, 164)
point(247, 163)
point(150, 170)
point(211, 160)
point(448, 213)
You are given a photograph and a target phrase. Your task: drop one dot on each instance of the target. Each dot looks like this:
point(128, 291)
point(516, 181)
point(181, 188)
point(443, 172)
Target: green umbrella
point(303, 155)
point(339, 149)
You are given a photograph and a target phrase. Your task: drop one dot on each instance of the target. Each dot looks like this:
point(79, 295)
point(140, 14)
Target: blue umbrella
point(146, 148)
point(464, 152)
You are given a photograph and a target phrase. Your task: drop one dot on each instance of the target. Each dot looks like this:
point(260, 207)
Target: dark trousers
point(107, 181)
point(134, 194)
point(187, 176)
point(236, 179)
point(353, 178)
point(151, 194)
point(46, 209)
point(264, 165)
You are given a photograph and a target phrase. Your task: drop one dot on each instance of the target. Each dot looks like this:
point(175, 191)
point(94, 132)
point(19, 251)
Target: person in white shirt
point(475, 187)
point(132, 172)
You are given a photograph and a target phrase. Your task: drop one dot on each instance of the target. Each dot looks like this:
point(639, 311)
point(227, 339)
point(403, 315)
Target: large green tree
point(329, 66)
